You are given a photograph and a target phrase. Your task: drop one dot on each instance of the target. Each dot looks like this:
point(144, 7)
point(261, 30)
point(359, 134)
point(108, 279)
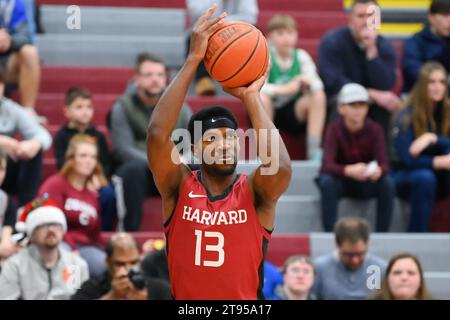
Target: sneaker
point(205, 87)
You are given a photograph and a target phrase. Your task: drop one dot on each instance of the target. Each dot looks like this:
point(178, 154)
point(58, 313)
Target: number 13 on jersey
point(200, 235)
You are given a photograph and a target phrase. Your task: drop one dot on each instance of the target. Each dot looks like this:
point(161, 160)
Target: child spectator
point(298, 279)
point(422, 145)
point(403, 280)
point(293, 95)
point(75, 190)
point(355, 160)
point(7, 215)
point(23, 176)
point(79, 112)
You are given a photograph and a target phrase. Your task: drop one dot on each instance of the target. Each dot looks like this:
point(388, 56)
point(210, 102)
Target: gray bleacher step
point(438, 284)
point(432, 249)
point(302, 181)
point(115, 21)
point(107, 50)
point(297, 214)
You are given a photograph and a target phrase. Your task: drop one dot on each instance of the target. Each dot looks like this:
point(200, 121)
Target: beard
point(221, 170)
point(51, 242)
point(151, 95)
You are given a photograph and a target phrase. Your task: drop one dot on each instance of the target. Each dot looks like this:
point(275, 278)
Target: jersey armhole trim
point(167, 222)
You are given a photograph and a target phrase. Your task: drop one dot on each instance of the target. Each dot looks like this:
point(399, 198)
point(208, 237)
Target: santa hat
point(39, 212)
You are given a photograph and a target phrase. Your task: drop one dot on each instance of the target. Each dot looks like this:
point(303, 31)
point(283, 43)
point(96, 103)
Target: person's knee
point(424, 179)
point(29, 54)
point(327, 182)
point(386, 183)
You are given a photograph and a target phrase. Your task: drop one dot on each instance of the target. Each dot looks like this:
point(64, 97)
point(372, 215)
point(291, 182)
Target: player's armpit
point(164, 163)
point(270, 186)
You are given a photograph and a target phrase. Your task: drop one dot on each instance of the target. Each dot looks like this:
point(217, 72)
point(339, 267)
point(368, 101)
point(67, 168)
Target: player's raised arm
point(166, 171)
point(272, 177)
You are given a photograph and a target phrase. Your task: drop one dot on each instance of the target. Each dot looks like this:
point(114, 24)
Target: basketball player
point(217, 222)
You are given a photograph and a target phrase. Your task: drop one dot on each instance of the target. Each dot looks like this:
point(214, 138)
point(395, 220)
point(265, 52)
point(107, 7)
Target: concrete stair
point(112, 36)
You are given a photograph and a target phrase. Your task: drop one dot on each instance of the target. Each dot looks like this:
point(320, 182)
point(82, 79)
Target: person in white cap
point(355, 162)
point(42, 271)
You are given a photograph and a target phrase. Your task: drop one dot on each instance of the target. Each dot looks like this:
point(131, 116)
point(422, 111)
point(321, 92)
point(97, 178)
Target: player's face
point(219, 149)
point(440, 24)
point(284, 39)
point(80, 111)
point(404, 279)
point(85, 159)
point(352, 254)
point(48, 235)
point(151, 79)
point(122, 260)
point(437, 86)
point(299, 277)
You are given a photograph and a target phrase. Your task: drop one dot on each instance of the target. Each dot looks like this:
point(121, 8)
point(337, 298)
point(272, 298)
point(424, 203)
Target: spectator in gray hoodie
point(23, 175)
point(42, 271)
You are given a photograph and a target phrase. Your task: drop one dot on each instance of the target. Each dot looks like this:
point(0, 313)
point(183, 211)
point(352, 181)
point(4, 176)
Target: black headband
point(215, 123)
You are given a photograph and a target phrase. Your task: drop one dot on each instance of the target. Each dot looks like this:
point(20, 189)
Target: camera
point(137, 278)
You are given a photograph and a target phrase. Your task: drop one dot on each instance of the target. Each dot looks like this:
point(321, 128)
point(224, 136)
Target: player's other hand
point(203, 29)
point(253, 88)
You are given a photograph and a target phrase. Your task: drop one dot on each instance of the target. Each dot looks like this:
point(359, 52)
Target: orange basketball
point(237, 54)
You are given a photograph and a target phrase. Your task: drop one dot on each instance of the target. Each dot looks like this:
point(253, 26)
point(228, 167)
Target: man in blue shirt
point(430, 44)
point(357, 54)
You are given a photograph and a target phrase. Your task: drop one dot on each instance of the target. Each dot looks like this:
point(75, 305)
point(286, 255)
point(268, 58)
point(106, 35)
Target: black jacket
point(96, 287)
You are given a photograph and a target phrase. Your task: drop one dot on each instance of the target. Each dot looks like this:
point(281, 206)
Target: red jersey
point(81, 208)
point(216, 245)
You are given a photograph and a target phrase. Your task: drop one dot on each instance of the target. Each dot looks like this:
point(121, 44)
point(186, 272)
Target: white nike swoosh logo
point(213, 120)
point(191, 195)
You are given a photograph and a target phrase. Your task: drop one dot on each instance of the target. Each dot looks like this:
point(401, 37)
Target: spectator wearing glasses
point(42, 270)
point(298, 279)
point(344, 274)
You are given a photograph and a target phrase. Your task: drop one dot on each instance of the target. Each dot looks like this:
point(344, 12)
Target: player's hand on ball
point(254, 87)
point(203, 29)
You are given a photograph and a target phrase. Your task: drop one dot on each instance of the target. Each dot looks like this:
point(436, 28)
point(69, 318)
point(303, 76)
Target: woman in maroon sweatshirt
point(74, 189)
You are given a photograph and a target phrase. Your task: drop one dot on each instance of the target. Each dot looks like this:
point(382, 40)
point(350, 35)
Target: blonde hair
point(422, 113)
point(68, 168)
point(282, 21)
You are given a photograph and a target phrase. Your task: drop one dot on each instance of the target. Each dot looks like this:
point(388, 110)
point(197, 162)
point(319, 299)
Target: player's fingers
point(216, 21)
point(213, 28)
point(208, 14)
